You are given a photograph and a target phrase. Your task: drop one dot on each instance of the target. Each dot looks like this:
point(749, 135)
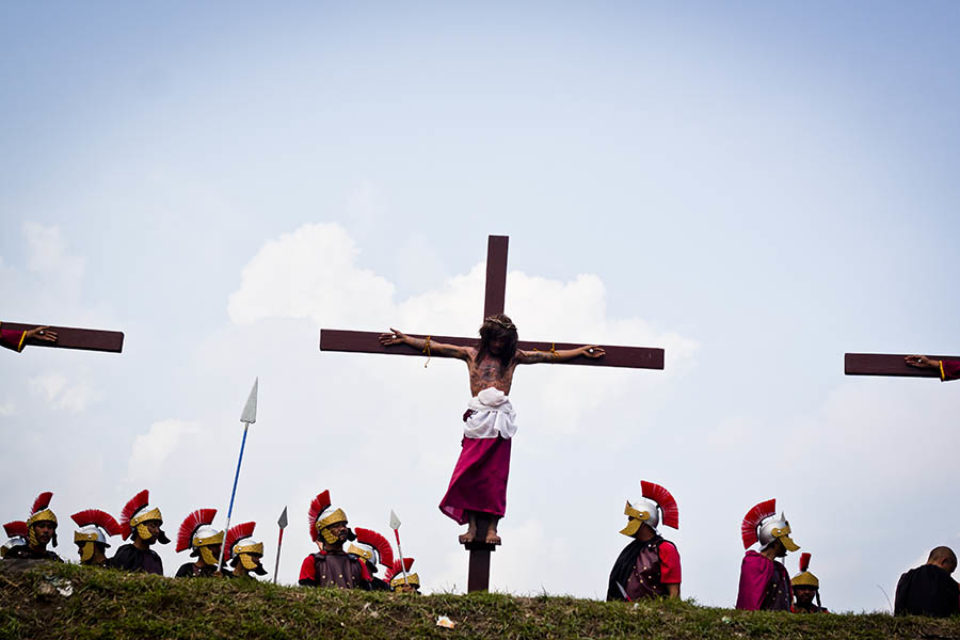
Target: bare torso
point(489, 372)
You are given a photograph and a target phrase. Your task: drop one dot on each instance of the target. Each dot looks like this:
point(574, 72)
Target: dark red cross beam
point(496, 285)
point(887, 364)
point(73, 338)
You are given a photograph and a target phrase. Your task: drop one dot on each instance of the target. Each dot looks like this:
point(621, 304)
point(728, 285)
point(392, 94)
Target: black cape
point(129, 558)
point(188, 570)
point(24, 552)
point(927, 590)
point(623, 567)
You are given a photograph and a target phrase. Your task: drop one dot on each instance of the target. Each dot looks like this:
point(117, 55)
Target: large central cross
point(496, 284)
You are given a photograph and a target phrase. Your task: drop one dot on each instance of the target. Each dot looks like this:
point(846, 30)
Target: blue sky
point(759, 187)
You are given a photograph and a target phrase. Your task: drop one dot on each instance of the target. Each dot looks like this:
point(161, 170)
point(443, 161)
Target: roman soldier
point(17, 340)
point(400, 578)
point(648, 567)
point(331, 566)
point(373, 549)
point(764, 582)
point(17, 533)
point(203, 540)
point(91, 540)
point(806, 588)
point(140, 522)
point(41, 530)
point(244, 553)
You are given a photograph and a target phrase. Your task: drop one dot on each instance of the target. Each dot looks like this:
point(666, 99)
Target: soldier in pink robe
point(764, 582)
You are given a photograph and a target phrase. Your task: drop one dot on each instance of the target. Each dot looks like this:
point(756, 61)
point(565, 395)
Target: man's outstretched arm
point(949, 369)
point(533, 357)
point(426, 345)
point(17, 340)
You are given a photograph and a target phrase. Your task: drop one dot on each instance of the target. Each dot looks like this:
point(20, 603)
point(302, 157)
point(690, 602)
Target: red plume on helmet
point(136, 503)
point(748, 529)
point(671, 512)
point(97, 518)
point(191, 523)
point(42, 502)
point(235, 534)
point(321, 502)
point(16, 529)
point(378, 542)
point(804, 562)
point(395, 569)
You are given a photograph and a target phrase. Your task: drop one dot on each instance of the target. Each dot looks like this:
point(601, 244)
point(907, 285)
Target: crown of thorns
point(509, 326)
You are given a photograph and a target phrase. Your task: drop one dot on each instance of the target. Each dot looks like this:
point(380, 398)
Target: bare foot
point(469, 536)
point(492, 538)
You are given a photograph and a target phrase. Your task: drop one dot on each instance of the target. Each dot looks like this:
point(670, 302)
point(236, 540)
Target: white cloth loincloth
point(492, 416)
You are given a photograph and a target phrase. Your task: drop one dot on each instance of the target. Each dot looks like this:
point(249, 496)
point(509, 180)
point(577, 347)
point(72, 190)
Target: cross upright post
point(494, 299)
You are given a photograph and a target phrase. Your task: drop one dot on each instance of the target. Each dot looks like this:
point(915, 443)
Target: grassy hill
point(109, 604)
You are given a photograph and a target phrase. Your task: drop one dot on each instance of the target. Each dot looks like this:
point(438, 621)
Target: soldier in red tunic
point(648, 567)
point(331, 566)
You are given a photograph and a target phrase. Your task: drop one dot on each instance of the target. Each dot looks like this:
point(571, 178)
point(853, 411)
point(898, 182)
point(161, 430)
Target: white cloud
point(61, 393)
point(309, 273)
point(313, 273)
point(7, 409)
point(47, 252)
point(152, 450)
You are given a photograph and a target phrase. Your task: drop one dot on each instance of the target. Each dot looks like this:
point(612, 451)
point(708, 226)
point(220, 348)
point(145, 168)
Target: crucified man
point(478, 486)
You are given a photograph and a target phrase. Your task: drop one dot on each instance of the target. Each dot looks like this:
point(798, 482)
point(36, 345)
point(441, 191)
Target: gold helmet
point(95, 526)
point(243, 550)
point(322, 516)
point(373, 548)
point(41, 513)
point(805, 578)
point(763, 525)
point(135, 516)
point(17, 533)
point(647, 510)
point(399, 576)
point(197, 534)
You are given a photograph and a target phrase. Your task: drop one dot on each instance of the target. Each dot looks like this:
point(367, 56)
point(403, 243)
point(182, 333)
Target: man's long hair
point(498, 326)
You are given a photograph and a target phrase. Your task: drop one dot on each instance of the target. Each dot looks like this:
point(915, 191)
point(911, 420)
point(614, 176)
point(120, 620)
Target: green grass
point(109, 604)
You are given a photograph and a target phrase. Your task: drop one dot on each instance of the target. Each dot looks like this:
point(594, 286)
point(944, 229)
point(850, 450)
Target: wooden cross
point(496, 283)
point(887, 364)
point(73, 338)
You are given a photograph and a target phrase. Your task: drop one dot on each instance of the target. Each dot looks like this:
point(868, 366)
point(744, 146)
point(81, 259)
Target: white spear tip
point(394, 520)
point(249, 414)
point(282, 522)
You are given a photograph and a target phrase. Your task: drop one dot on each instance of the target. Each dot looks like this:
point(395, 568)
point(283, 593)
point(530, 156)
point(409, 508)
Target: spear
point(395, 525)
point(248, 417)
point(282, 523)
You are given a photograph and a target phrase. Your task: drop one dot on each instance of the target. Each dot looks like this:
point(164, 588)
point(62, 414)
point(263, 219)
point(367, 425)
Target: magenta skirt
point(479, 481)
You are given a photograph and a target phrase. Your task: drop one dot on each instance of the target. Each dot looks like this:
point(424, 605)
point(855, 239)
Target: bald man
point(929, 590)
